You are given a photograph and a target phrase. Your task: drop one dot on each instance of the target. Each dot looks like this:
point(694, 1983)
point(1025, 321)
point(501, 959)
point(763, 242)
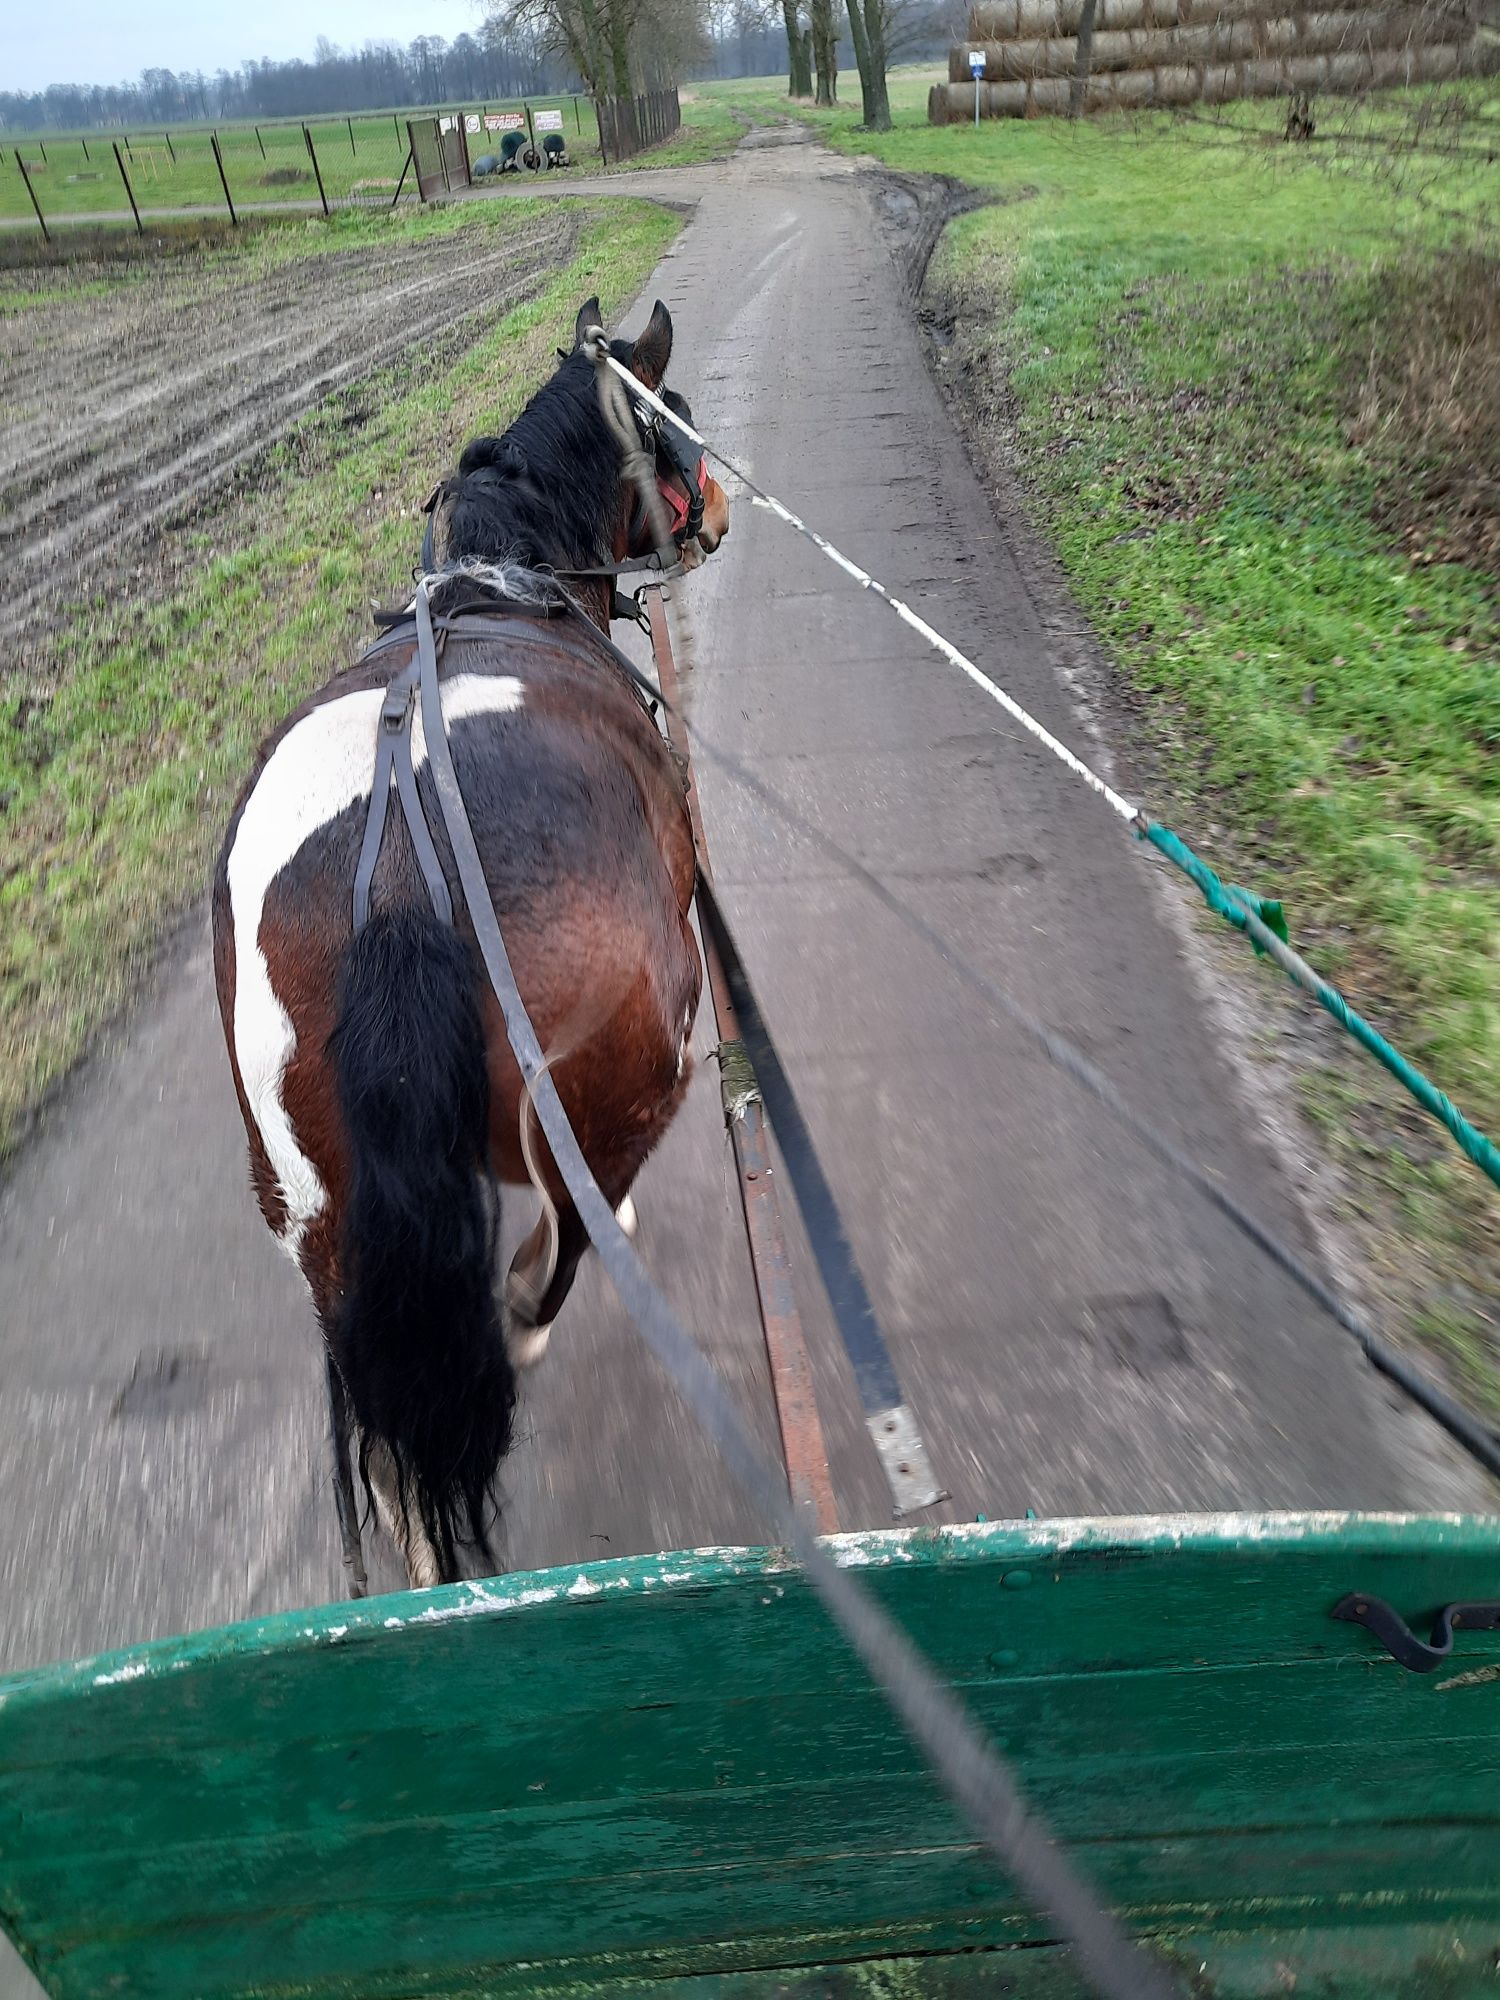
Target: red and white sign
point(504, 121)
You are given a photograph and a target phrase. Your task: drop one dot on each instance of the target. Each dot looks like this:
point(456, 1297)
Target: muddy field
point(129, 400)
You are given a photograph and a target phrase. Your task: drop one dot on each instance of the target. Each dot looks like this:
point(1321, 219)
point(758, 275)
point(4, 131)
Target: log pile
point(1173, 52)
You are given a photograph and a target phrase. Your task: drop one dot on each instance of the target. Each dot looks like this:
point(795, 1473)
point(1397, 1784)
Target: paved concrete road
point(1075, 1334)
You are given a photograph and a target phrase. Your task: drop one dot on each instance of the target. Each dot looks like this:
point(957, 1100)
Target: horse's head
point(696, 507)
point(552, 493)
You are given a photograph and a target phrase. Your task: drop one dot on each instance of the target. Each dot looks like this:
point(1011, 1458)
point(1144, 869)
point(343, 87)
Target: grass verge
point(1253, 403)
point(112, 803)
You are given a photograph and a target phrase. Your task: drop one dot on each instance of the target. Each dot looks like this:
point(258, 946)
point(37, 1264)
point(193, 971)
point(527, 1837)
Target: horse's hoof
point(528, 1345)
point(627, 1218)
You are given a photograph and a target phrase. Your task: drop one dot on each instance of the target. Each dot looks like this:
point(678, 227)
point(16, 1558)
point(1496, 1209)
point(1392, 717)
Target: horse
point(381, 1101)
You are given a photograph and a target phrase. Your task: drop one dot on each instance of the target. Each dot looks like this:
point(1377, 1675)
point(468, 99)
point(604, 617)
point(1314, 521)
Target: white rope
point(904, 612)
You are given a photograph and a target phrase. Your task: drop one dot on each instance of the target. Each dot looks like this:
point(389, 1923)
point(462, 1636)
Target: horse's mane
point(544, 493)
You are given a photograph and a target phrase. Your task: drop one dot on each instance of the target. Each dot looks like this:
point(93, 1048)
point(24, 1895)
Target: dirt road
point(1075, 1334)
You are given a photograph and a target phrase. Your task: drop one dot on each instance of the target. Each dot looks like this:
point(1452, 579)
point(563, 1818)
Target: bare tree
point(618, 47)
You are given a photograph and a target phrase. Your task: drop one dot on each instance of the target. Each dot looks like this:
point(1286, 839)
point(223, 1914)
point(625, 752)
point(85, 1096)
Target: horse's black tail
point(417, 1334)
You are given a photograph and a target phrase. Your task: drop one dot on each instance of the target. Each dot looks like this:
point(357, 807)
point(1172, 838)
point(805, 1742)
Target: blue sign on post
point(976, 70)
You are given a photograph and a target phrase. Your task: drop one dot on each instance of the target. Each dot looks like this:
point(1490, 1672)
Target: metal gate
point(440, 154)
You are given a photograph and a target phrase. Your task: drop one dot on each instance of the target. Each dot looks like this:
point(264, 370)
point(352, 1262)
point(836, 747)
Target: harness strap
point(393, 755)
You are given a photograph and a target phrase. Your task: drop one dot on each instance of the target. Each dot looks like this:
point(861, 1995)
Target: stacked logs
point(1166, 52)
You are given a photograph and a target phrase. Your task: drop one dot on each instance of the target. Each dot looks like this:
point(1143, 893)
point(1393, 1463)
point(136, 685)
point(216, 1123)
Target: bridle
point(684, 503)
point(681, 480)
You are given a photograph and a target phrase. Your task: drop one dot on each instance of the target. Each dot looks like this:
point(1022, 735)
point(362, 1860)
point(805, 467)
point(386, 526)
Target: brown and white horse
point(382, 1102)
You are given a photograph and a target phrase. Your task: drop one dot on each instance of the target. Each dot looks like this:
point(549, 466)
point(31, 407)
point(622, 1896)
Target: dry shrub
point(1428, 407)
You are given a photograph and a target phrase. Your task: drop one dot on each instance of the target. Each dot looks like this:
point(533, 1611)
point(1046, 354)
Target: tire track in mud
point(117, 421)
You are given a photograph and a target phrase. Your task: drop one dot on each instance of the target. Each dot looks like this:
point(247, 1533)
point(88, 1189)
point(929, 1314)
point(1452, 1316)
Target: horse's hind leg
point(540, 1278)
point(424, 1566)
point(340, 1425)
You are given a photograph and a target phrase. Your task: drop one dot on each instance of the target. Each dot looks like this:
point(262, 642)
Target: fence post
point(139, 230)
point(85, 144)
point(42, 149)
point(260, 142)
point(170, 147)
point(397, 123)
point(234, 221)
point(352, 147)
point(46, 232)
point(318, 171)
point(577, 113)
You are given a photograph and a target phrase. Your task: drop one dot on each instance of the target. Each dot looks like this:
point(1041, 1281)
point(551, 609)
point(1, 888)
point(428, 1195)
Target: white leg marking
point(627, 1218)
point(405, 1530)
point(318, 770)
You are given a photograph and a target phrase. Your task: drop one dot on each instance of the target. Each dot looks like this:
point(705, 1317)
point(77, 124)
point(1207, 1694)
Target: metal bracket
point(1403, 1645)
point(904, 1460)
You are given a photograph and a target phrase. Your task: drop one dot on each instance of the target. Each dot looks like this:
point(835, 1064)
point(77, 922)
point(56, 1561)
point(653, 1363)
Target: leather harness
point(417, 680)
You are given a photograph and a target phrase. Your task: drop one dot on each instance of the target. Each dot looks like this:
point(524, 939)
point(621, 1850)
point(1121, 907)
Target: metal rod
point(46, 232)
point(261, 142)
point(402, 182)
point(352, 147)
point(803, 1445)
point(224, 180)
point(85, 145)
point(170, 147)
point(411, 154)
point(313, 156)
point(139, 230)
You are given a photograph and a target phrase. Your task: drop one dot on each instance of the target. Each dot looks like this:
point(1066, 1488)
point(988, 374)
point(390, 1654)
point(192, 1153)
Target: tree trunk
point(590, 58)
point(867, 26)
point(1085, 55)
point(619, 48)
point(825, 51)
point(798, 68)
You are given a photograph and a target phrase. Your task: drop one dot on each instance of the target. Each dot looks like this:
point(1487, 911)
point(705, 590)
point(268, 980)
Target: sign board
point(504, 121)
point(445, 124)
point(549, 121)
point(471, 121)
point(976, 63)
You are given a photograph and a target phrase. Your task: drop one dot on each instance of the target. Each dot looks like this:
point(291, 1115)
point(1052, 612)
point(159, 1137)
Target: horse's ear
point(589, 319)
point(653, 350)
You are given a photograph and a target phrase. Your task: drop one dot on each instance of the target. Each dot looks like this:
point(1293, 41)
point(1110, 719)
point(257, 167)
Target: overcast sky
point(100, 41)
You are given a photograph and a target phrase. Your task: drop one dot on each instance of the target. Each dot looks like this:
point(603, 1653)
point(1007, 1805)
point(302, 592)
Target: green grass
point(117, 786)
point(79, 175)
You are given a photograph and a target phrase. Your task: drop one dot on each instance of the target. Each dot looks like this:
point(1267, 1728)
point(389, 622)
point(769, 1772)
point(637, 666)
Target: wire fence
point(234, 170)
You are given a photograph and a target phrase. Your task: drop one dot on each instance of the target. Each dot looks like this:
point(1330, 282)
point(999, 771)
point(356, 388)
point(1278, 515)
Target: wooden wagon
point(669, 1774)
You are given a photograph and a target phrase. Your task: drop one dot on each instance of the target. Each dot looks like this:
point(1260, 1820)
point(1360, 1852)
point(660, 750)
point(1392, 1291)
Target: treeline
point(530, 48)
point(493, 64)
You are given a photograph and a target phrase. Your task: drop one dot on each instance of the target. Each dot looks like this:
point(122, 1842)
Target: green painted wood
point(671, 1768)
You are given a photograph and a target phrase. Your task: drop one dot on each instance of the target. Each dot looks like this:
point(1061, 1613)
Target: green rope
point(1264, 923)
